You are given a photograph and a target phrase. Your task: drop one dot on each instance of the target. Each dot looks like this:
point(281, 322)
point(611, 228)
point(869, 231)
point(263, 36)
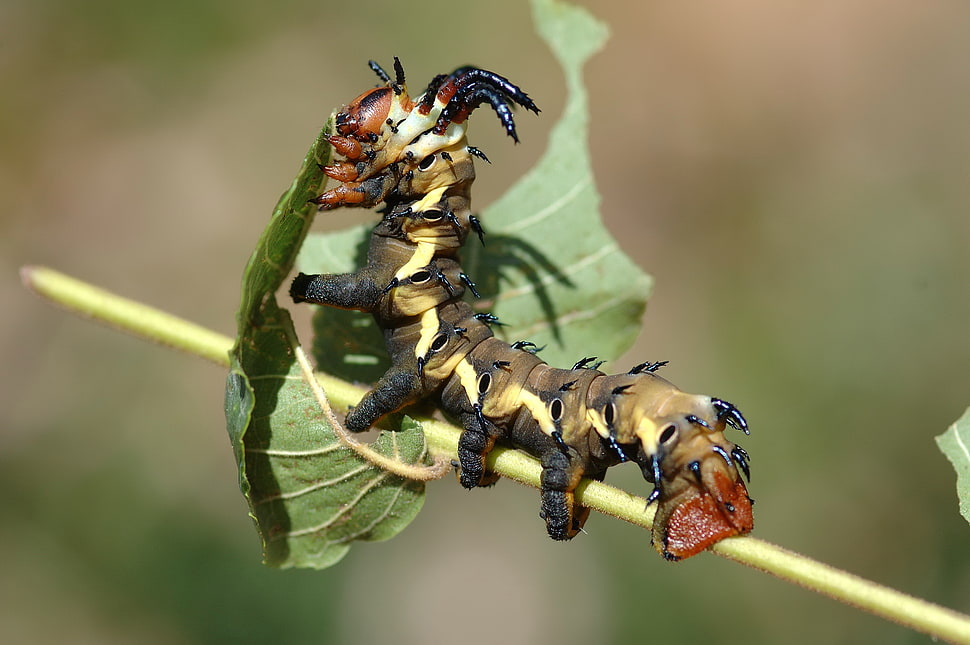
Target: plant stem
point(165, 329)
point(915, 613)
point(127, 315)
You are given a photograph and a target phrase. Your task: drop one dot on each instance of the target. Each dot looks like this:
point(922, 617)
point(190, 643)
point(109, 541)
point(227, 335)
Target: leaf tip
point(955, 445)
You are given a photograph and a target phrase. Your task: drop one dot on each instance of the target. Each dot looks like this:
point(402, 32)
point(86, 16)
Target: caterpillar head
point(387, 146)
point(384, 127)
point(364, 118)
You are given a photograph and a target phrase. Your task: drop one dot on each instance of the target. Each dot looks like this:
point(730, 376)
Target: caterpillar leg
point(474, 444)
point(397, 388)
point(366, 193)
point(560, 475)
point(357, 291)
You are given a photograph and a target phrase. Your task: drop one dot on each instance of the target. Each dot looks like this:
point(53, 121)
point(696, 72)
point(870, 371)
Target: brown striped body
point(412, 156)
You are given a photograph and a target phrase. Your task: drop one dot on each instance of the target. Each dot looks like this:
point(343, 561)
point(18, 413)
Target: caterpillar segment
point(412, 156)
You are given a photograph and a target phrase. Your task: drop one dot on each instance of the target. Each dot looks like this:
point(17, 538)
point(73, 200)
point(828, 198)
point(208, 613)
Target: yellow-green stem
point(162, 328)
point(127, 315)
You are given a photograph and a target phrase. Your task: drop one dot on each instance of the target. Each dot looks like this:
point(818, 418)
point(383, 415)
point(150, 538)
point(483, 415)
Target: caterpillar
point(411, 157)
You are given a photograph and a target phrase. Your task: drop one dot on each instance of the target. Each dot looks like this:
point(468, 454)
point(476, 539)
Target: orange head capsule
point(364, 118)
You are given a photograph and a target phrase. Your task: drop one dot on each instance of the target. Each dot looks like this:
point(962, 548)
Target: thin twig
point(438, 469)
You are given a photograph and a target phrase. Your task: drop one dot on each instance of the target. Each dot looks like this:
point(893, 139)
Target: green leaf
point(549, 270)
point(308, 493)
point(955, 444)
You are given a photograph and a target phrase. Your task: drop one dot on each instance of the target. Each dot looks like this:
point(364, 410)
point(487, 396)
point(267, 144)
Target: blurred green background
point(795, 177)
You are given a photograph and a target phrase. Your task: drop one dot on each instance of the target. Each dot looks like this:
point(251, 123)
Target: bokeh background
point(794, 175)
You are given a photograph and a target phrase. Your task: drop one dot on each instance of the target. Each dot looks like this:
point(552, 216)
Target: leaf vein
point(552, 208)
point(343, 510)
point(316, 486)
point(574, 316)
point(578, 266)
point(364, 530)
point(272, 452)
point(963, 446)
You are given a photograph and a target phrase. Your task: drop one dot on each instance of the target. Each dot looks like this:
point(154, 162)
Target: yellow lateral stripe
point(429, 201)
point(595, 419)
point(538, 410)
point(429, 327)
point(425, 252)
point(646, 432)
point(422, 257)
point(468, 378)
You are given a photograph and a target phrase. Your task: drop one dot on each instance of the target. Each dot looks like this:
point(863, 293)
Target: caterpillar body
point(412, 157)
